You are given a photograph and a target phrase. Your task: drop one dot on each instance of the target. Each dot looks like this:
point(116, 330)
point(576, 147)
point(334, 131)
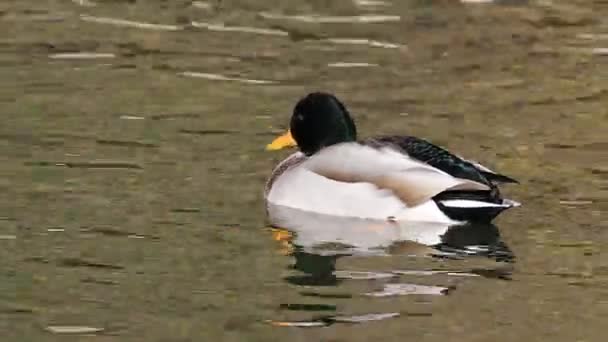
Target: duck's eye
point(299, 117)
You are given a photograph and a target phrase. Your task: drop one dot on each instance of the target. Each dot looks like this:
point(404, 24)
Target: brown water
point(131, 186)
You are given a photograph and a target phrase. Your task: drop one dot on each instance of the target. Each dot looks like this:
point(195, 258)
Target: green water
point(131, 194)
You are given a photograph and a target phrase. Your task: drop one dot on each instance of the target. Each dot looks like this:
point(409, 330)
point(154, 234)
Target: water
point(133, 169)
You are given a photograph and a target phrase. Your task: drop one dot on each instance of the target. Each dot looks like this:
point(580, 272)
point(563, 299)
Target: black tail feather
point(497, 178)
point(491, 196)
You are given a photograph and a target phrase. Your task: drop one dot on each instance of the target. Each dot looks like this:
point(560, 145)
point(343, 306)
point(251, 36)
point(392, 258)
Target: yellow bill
point(285, 140)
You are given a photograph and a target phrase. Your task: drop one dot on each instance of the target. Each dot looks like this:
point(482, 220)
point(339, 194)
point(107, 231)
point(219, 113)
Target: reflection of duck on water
point(318, 241)
point(396, 178)
point(331, 236)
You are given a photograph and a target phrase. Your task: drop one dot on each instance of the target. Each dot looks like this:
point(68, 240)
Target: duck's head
point(318, 120)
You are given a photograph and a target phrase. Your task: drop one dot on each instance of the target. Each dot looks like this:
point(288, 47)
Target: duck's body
point(399, 178)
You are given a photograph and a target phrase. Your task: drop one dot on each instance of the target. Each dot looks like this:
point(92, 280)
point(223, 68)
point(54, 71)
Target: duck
point(395, 178)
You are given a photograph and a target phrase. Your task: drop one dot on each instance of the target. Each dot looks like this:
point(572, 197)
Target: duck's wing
point(441, 159)
point(491, 175)
point(410, 179)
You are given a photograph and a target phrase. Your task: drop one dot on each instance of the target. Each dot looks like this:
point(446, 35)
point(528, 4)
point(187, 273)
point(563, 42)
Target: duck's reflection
point(318, 270)
point(475, 239)
point(317, 242)
point(326, 235)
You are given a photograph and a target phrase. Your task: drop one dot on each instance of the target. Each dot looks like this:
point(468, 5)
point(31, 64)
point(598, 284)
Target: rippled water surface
point(133, 164)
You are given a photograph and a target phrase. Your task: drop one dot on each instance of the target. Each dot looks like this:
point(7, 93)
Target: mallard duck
point(394, 178)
